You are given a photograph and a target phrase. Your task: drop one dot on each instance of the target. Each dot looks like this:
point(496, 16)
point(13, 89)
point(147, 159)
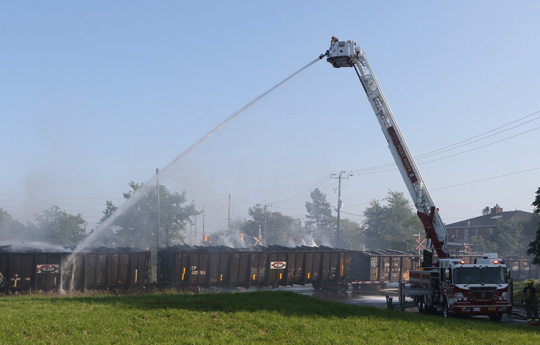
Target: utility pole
point(190, 233)
point(156, 273)
point(265, 243)
point(195, 231)
point(166, 235)
point(203, 225)
point(229, 214)
point(340, 203)
point(157, 192)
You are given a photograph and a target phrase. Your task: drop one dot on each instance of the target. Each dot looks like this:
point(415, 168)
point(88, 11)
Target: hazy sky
point(97, 94)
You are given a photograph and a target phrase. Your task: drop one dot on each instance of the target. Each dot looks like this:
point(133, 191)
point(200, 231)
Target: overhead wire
point(461, 143)
point(301, 194)
point(384, 167)
point(485, 135)
point(194, 186)
point(482, 146)
point(487, 178)
point(57, 197)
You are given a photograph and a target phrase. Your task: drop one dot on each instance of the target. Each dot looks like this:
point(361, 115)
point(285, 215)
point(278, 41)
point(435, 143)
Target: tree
point(392, 226)
point(61, 228)
point(483, 245)
point(136, 226)
point(10, 228)
point(534, 246)
point(485, 211)
point(351, 235)
point(528, 233)
point(280, 229)
point(507, 237)
point(109, 210)
point(319, 220)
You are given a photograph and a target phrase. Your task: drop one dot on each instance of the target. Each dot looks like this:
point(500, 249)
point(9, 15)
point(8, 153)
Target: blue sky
point(94, 95)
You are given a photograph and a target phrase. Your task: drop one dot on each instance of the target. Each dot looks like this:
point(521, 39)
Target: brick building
point(483, 226)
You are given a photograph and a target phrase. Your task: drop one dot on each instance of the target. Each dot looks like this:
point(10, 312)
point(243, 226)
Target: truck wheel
point(445, 311)
point(343, 287)
point(421, 304)
point(496, 317)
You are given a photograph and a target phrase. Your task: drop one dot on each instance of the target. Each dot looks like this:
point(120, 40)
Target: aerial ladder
point(452, 285)
point(348, 54)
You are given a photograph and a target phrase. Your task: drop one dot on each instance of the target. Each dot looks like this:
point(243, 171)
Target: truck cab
point(481, 288)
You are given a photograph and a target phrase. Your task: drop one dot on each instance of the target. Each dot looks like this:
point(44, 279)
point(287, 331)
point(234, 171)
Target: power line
point(479, 147)
point(194, 186)
point(486, 179)
point(378, 169)
point(58, 197)
point(459, 144)
point(302, 194)
point(373, 170)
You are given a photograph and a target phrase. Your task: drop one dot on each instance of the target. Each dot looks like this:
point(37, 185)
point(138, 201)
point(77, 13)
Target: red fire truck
point(442, 283)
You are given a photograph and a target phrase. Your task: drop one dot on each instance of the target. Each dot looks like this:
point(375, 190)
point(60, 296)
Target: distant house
point(483, 226)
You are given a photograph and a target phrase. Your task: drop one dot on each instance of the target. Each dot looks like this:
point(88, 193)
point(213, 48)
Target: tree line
point(390, 223)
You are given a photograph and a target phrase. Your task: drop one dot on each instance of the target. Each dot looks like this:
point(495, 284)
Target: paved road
point(379, 299)
point(375, 298)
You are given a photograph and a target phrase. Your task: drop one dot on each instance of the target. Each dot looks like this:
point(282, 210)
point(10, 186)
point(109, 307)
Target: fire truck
point(442, 283)
point(455, 287)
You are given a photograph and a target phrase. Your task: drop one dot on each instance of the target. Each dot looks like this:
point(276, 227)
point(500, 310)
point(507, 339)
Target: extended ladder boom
point(348, 54)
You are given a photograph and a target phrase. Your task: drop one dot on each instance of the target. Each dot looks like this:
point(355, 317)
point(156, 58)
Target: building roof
point(491, 220)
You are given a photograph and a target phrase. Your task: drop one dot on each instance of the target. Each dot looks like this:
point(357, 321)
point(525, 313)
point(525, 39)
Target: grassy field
point(271, 317)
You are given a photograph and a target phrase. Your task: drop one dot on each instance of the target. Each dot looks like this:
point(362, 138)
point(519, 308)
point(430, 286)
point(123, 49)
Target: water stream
point(92, 237)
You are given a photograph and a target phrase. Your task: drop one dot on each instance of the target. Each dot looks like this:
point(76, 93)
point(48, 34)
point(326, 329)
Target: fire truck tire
point(446, 310)
point(496, 317)
point(421, 304)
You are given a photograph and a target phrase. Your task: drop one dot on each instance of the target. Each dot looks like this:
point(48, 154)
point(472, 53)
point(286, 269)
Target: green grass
point(272, 317)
